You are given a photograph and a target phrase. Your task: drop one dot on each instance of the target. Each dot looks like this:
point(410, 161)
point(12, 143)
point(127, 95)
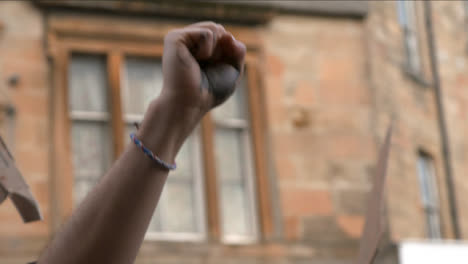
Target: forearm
point(110, 224)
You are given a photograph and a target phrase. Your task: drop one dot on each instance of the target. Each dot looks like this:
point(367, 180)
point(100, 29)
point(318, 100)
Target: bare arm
point(201, 64)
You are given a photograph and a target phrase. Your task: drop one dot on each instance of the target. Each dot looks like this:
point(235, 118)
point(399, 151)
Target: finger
point(233, 51)
point(210, 24)
point(217, 29)
point(198, 41)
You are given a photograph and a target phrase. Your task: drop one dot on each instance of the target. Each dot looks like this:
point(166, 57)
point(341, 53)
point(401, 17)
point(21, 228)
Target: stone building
point(323, 81)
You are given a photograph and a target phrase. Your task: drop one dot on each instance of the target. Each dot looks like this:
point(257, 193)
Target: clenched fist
point(201, 65)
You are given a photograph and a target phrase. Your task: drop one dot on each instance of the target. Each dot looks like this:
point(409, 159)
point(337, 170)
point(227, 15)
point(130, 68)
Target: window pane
point(429, 195)
point(229, 150)
point(92, 153)
point(236, 219)
point(410, 14)
point(235, 106)
point(422, 173)
point(406, 13)
point(427, 182)
point(88, 84)
point(180, 216)
point(402, 16)
point(143, 82)
point(235, 172)
point(407, 18)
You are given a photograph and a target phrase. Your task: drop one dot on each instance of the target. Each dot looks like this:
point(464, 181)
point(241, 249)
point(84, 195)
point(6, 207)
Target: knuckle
point(207, 34)
point(172, 35)
point(211, 24)
point(220, 27)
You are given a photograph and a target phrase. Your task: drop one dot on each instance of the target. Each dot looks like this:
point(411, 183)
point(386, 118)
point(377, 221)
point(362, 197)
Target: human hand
point(201, 65)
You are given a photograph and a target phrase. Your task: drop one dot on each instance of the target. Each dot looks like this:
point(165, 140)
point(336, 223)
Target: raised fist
point(201, 65)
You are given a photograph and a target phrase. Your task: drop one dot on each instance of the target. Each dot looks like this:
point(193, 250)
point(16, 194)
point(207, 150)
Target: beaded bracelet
point(151, 155)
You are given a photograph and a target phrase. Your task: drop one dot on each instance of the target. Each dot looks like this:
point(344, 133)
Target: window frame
point(116, 40)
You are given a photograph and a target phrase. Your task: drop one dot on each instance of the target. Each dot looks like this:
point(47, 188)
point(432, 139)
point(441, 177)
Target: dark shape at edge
point(374, 226)
point(12, 184)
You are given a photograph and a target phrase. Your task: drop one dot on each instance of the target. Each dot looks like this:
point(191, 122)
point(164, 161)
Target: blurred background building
point(280, 173)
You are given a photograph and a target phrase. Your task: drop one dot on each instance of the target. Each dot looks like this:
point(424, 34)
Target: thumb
point(222, 80)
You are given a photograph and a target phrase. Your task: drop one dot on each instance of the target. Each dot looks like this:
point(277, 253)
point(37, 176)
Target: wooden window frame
point(116, 38)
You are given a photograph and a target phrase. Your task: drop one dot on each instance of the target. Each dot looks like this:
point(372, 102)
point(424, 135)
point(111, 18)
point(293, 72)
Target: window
point(408, 22)
point(429, 196)
point(219, 191)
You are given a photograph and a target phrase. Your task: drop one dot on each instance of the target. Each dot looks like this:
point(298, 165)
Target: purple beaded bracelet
point(151, 155)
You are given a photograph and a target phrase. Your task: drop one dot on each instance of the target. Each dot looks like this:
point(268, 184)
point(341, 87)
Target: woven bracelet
point(151, 155)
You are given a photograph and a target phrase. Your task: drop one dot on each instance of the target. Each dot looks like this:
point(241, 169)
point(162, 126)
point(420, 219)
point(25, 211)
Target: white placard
point(437, 252)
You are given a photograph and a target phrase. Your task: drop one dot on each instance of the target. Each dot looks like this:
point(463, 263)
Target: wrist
point(166, 125)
